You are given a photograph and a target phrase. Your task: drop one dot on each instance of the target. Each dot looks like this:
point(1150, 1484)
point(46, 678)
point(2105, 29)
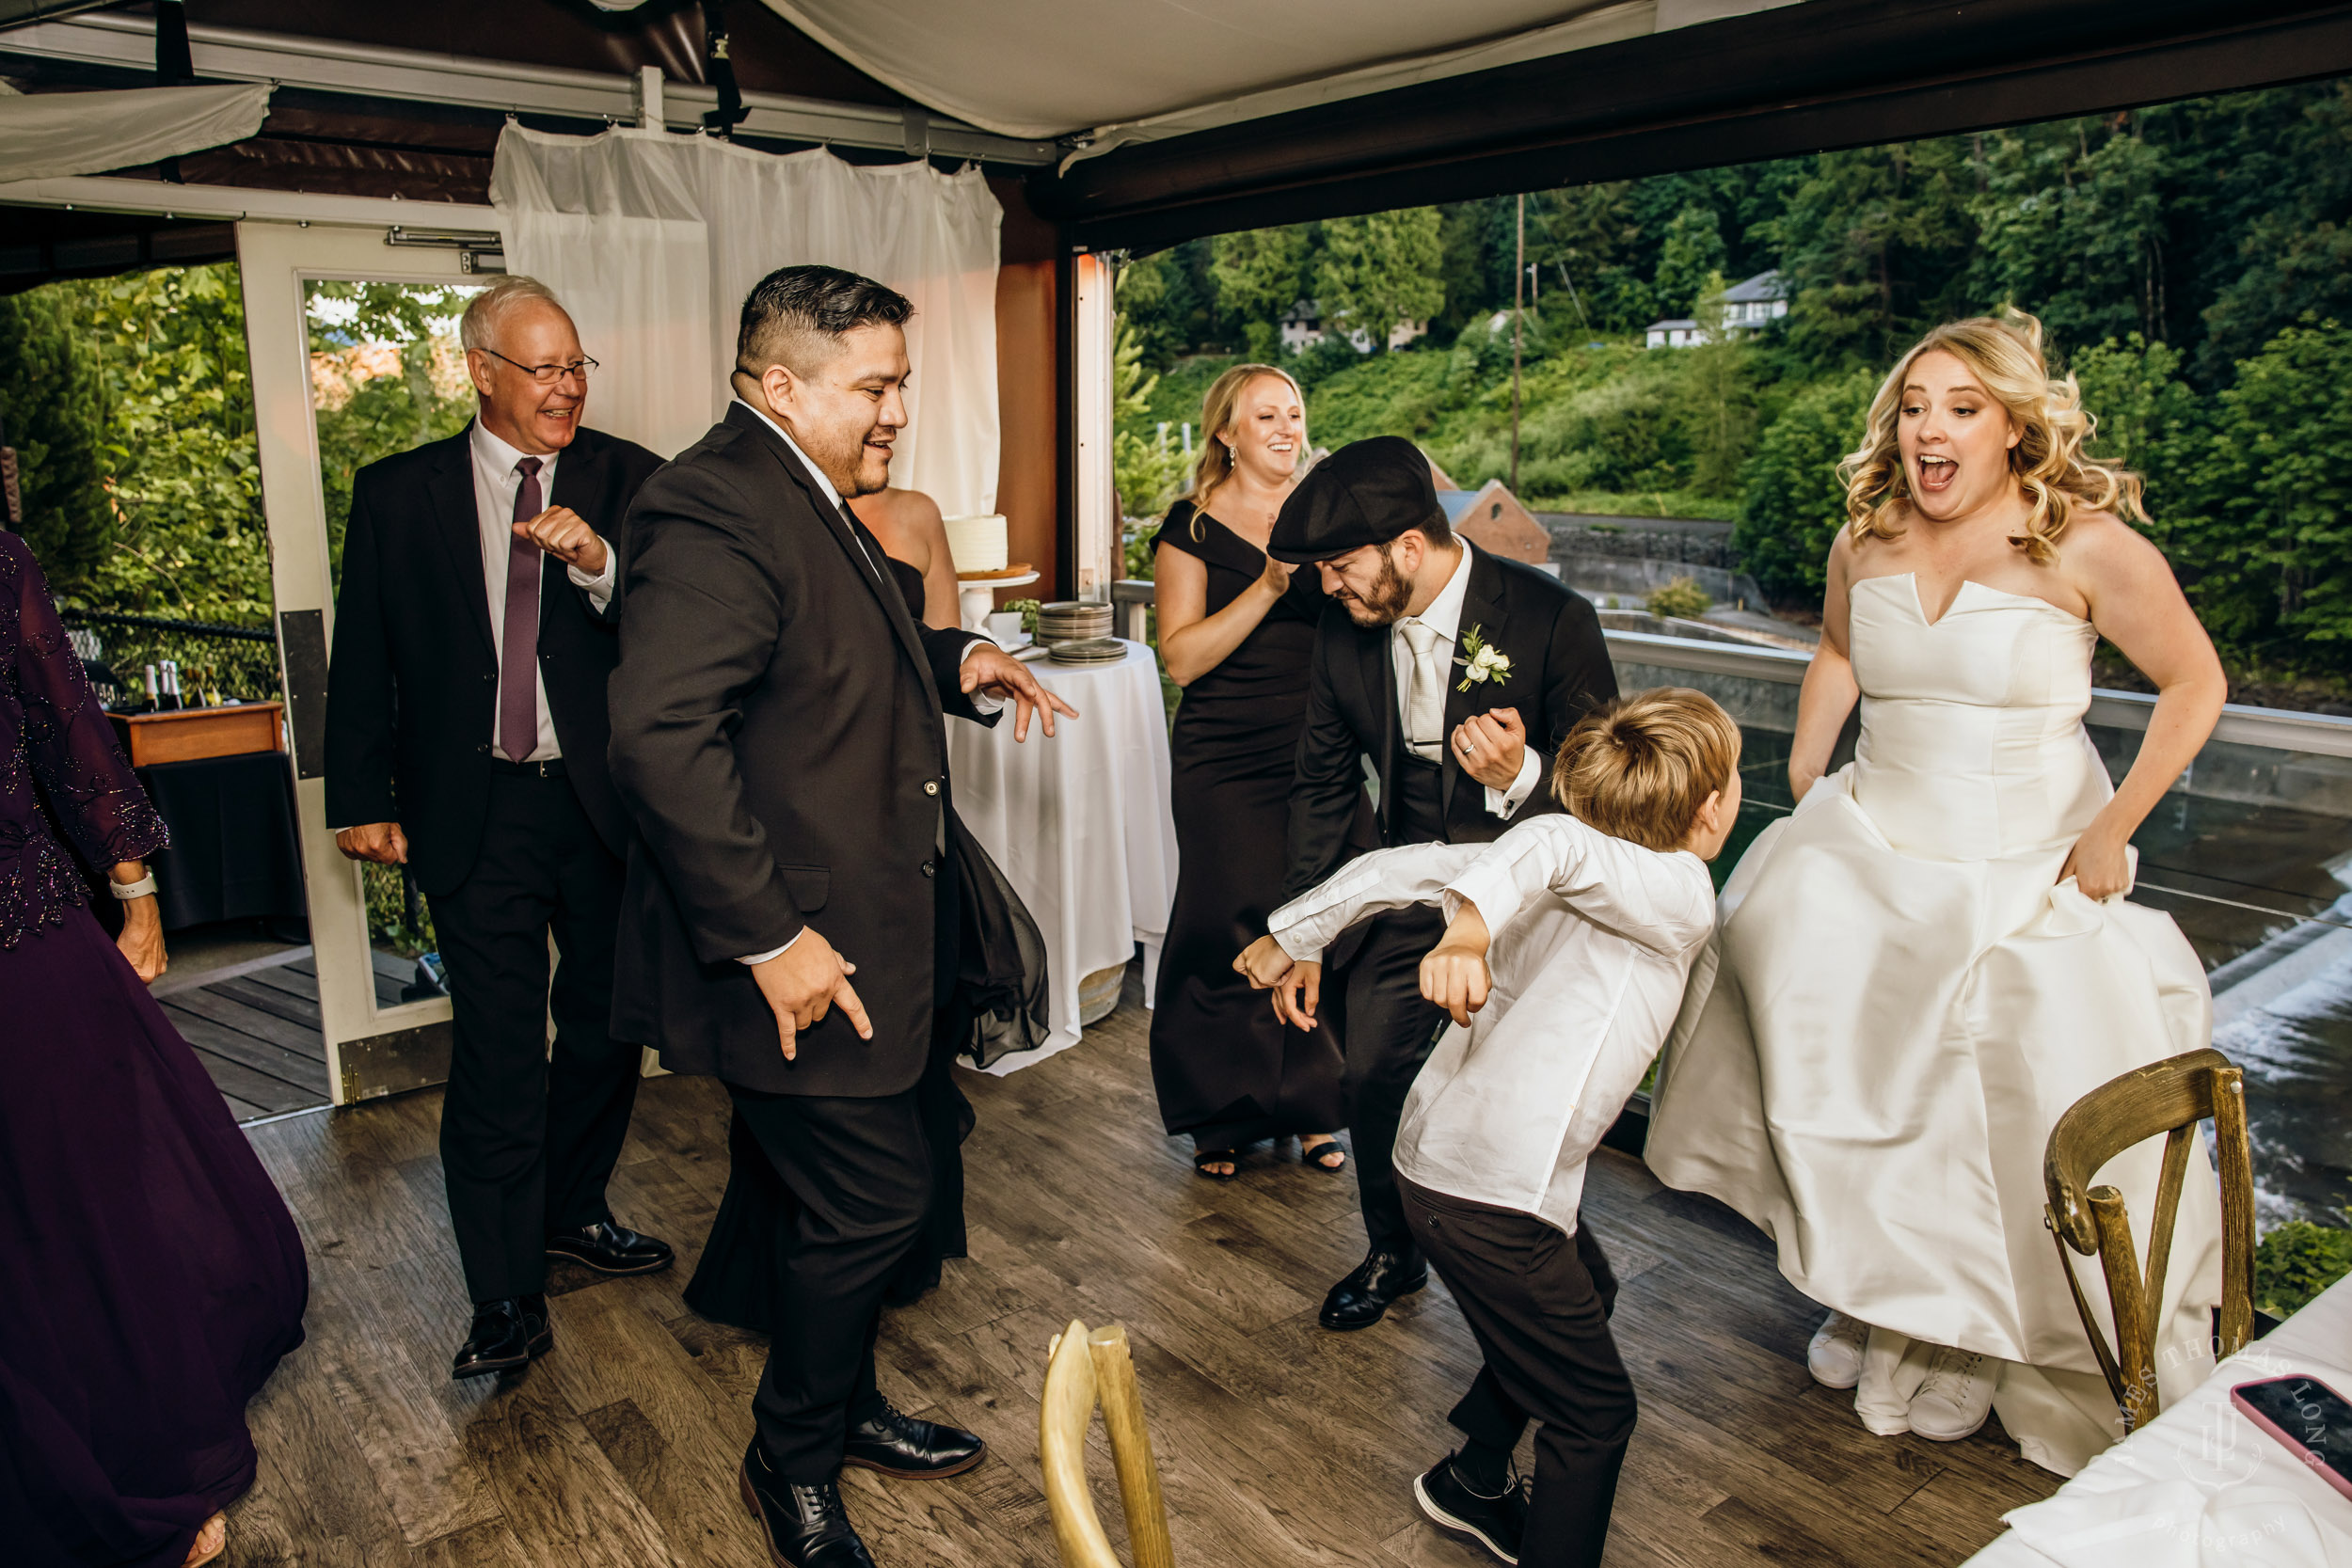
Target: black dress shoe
point(912, 1449)
point(507, 1334)
point(1496, 1523)
point(1363, 1297)
point(610, 1248)
point(806, 1525)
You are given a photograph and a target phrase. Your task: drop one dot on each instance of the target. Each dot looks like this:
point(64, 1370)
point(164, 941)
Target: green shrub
point(1793, 505)
point(1681, 598)
point(2295, 1261)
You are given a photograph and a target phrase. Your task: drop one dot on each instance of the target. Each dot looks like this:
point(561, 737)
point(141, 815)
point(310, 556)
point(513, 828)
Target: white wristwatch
point(143, 888)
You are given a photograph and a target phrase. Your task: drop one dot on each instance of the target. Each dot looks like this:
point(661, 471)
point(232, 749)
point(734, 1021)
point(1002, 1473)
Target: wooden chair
point(1083, 1368)
point(2171, 1097)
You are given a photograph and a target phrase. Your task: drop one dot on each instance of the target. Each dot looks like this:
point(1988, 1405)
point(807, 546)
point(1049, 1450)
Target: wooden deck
point(257, 1030)
point(1280, 1443)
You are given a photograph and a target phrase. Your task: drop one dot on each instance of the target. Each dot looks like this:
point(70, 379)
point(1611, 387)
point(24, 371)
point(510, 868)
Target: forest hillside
point(2193, 263)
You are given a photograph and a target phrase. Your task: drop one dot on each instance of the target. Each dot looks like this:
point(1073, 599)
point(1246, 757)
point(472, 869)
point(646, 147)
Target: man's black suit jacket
point(412, 686)
point(1560, 672)
point(778, 735)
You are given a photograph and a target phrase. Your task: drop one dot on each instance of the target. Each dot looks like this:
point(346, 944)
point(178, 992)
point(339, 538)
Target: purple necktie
point(519, 649)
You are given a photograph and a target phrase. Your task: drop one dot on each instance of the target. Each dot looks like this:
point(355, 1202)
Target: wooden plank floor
point(1280, 1443)
point(258, 1034)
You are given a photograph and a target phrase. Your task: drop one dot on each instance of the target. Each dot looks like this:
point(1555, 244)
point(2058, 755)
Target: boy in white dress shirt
point(1562, 967)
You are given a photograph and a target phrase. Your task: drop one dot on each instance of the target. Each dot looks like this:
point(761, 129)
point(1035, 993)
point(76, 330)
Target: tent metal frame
point(415, 76)
point(1825, 74)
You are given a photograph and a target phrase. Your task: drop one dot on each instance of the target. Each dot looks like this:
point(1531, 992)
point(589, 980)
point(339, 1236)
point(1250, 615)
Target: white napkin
point(2172, 1524)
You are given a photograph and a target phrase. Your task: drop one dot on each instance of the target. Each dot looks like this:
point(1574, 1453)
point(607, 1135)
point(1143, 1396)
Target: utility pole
point(1518, 294)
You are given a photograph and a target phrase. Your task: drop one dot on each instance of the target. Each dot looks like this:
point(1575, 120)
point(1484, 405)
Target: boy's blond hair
point(1640, 768)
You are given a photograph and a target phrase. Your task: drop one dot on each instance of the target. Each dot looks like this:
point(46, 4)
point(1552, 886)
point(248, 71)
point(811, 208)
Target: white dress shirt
point(1593, 939)
point(496, 484)
point(1445, 617)
point(983, 704)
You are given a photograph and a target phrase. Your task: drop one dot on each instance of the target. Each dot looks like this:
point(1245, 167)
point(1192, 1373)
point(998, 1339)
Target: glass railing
point(2251, 852)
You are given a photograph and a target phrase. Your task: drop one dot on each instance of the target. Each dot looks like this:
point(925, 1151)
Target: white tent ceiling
point(1136, 70)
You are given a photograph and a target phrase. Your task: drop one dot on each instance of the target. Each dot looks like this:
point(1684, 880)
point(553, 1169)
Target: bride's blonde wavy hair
point(2004, 353)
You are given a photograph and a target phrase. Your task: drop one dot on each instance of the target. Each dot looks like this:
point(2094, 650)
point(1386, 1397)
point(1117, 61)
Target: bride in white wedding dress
point(1931, 959)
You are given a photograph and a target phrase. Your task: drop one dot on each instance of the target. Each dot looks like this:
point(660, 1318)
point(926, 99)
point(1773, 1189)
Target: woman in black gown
point(153, 1276)
point(1236, 630)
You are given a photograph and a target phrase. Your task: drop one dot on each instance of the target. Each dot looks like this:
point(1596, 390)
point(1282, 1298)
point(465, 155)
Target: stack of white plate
point(1089, 650)
point(1072, 621)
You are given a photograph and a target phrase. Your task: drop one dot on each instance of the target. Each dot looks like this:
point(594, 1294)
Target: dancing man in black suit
point(778, 734)
point(1428, 664)
point(465, 737)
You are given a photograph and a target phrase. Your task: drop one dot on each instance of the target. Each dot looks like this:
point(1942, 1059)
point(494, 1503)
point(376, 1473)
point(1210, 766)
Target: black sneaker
point(1495, 1523)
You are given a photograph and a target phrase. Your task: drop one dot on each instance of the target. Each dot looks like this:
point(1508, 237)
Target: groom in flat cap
point(1451, 678)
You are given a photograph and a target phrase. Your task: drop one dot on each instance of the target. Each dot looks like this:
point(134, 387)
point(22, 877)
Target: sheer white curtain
point(653, 240)
point(45, 136)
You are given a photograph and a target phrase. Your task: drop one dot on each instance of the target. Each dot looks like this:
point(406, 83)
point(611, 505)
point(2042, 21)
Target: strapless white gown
point(1902, 1004)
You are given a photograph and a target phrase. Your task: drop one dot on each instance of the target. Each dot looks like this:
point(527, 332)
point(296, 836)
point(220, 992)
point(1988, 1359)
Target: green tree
point(2150, 421)
point(382, 414)
point(2270, 214)
point(1379, 271)
point(1875, 242)
point(1793, 503)
point(1689, 255)
point(2074, 230)
point(1260, 273)
point(178, 445)
point(50, 402)
point(1145, 305)
point(1467, 235)
point(1719, 397)
point(2274, 564)
point(1587, 240)
point(1145, 471)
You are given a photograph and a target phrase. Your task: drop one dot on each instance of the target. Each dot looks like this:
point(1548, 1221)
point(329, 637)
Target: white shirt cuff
point(982, 703)
point(599, 588)
point(772, 952)
point(1294, 942)
point(1502, 802)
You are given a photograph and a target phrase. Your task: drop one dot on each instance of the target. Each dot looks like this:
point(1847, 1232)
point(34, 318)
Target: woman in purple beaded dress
point(149, 1275)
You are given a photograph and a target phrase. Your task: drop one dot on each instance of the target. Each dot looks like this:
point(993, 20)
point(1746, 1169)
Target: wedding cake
point(976, 544)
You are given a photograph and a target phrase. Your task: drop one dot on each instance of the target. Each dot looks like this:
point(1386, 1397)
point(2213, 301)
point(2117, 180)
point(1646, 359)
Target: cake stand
point(976, 594)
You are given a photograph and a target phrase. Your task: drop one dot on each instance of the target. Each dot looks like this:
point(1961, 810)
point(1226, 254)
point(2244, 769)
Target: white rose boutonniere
point(1481, 660)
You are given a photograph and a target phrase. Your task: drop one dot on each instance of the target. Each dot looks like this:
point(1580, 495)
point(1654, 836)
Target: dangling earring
point(1231, 460)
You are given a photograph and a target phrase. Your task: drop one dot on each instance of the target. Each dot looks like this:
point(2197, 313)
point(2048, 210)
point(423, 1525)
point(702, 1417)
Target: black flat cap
point(1366, 493)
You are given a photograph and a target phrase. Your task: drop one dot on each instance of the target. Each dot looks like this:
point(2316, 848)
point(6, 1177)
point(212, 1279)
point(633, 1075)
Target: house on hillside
point(1758, 300)
point(1497, 522)
point(1755, 303)
point(1303, 326)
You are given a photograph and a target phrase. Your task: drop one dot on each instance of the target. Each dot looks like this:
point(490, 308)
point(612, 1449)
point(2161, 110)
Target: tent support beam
point(232, 54)
point(1830, 73)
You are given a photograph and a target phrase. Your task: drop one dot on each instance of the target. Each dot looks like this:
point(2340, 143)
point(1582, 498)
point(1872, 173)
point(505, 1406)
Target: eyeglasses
point(548, 375)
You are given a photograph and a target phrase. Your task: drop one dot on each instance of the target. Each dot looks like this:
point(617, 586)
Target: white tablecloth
point(1080, 823)
point(2200, 1486)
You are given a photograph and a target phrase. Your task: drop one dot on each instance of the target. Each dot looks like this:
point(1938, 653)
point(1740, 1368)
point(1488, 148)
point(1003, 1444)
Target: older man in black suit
point(466, 739)
point(778, 734)
point(1457, 676)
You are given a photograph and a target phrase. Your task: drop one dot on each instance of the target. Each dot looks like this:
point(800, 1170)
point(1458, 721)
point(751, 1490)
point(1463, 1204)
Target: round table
point(1081, 824)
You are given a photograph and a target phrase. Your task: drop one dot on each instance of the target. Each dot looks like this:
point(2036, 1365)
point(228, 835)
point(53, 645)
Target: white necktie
point(1425, 698)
